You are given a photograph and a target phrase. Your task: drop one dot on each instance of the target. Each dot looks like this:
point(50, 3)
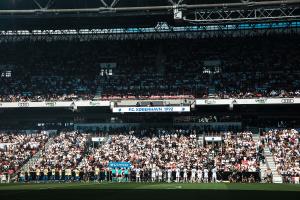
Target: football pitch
point(145, 191)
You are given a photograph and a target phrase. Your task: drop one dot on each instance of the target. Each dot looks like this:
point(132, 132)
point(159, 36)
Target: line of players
point(194, 175)
point(121, 175)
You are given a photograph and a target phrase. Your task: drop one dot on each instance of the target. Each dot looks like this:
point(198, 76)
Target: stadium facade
point(219, 80)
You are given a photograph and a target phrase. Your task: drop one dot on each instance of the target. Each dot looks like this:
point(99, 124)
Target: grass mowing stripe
point(151, 186)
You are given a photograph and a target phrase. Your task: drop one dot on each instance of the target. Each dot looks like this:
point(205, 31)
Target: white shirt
point(214, 171)
point(137, 171)
point(199, 173)
point(193, 172)
point(160, 173)
point(205, 172)
point(169, 172)
point(153, 173)
point(185, 172)
point(177, 172)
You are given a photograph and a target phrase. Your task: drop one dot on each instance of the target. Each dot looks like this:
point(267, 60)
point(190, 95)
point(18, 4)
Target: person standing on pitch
point(205, 175)
point(37, 174)
point(214, 174)
point(77, 174)
point(185, 175)
point(53, 174)
point(120, 175)
point(137, 175)
point(193, 175)
point(177, 175)
point(153, 174)
point(160, 174)
point(113, 174)
point(60, 172)
point(97, 174)
point(199, 175)
point(126, 173)
point(169, 175)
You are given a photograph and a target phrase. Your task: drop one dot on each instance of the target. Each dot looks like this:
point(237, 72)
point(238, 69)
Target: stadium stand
point(17, 148)
point(131, 99)
point(166, 155)
point(284, 145)
point(196, 68)
point(63, 153)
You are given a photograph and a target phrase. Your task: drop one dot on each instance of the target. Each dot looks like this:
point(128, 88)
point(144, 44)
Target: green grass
point(145, 191)
point(155, 186)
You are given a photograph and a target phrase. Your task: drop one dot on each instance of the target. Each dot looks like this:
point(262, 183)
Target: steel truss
point(114, 7)
point(250, 14)
point(161, 31)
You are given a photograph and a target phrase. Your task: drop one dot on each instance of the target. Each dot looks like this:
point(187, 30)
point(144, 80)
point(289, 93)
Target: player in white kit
point(169, 175)
point(160, 175)
point(199, 175)
point(137, 175)
point(214, 175)
point(205, 175)
point(184, 175)
point(177, 175)
point(193, 175)
point(153, 175)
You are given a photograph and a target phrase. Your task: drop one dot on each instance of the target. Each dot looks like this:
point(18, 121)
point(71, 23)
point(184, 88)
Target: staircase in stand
point(86, 152)
point(33, 160)
point(99, 90)
point(211, 92)
point(277, 178)
point(200, 141)
point(263, 166)
point(256, 138)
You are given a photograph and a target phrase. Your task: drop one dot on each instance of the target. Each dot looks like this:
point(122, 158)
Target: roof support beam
point(145, 8)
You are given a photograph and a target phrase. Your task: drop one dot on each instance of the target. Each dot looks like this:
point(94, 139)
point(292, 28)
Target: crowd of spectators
point(216, 67)
point(154, 155)
point(65, 152)
point(39, 71)
point(285, 147)
point(17, 148)
point(239, 153)
point(232, 159)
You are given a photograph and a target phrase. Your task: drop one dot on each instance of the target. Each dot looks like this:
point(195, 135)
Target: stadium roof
point(57, 4)
point(75, 14)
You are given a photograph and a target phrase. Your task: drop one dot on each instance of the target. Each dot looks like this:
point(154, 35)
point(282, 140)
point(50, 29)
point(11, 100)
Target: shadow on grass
point(132, 194)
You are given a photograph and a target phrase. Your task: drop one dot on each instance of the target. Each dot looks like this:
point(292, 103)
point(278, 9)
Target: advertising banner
point(152, 109)
point(119, 164)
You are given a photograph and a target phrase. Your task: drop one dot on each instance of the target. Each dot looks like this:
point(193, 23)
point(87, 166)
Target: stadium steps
point(99, 90)
point(277, 178)
point(256, 138)
point(98, 93)
point(87, 151)
point(200, 141)
point(211, 92)
point(263, 166)
point(32, 161)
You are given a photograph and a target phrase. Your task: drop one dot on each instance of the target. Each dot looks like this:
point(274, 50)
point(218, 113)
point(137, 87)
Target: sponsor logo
point(50, 104)
point(210, 101)
point(261, 101)
point(23, 104)
point(94, 103)
point(119, 164)
point(287, 101)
